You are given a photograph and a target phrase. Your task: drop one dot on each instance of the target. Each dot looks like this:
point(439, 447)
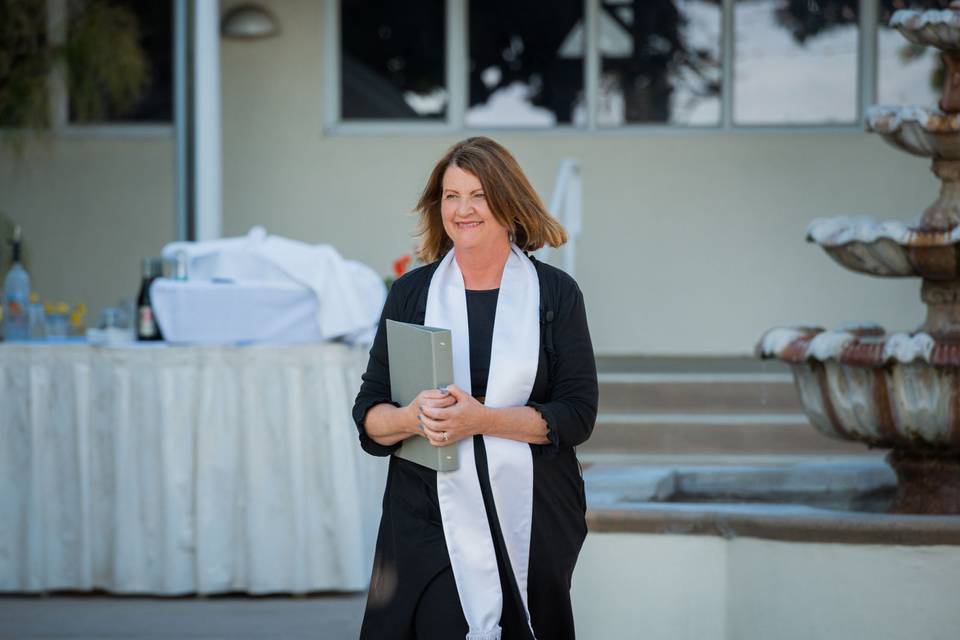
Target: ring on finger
point(445, 435)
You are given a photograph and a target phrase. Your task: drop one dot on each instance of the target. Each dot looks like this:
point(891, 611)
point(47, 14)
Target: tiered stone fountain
point(898, 391)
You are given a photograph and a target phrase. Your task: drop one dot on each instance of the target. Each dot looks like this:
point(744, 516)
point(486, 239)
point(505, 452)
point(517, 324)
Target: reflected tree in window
point(660, 61)
point(528, 56)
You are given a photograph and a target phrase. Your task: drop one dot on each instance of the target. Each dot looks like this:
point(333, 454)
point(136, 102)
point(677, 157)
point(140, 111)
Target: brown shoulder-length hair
point(513, 201)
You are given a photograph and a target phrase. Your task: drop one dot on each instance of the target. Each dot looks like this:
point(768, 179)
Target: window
point(523, 71)
point(611, 64)
point(392, 60)
point(795, 62)
point(155, 25)
point(25, 62)
point(660, 62)
point(906, 73)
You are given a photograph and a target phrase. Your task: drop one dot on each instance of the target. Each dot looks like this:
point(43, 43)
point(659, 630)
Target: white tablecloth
point(178, 470)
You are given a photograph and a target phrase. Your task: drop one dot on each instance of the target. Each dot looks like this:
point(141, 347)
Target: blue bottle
point(16, 295)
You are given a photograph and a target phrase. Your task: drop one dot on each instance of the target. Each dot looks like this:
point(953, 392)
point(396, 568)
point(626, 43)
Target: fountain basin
point(888, 249)
point(900, 392)
point(922, 131)
point(864, 485)
point(935, 28)
point(892, 391)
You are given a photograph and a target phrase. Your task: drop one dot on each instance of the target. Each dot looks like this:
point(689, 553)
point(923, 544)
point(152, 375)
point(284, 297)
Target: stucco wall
point(90, 208)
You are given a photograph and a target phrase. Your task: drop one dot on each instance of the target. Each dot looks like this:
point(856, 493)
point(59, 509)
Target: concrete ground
point(105, 617)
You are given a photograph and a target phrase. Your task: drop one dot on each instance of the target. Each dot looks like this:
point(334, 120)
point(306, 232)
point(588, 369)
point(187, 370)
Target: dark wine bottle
point(147, 327)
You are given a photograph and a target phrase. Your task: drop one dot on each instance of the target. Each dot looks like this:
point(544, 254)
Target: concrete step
point(704, 406)
point(712, 433)
point(688, 364)
point(727, 392)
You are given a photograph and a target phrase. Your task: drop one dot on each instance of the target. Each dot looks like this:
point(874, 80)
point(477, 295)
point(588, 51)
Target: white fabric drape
point(179, 470)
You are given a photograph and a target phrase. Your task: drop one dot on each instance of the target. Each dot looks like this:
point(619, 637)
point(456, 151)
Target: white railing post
point(566, 205)
point(206, 106)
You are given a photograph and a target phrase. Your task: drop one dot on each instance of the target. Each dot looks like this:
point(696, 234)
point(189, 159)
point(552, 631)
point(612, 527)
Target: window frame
point(60, 123)
point(457, 70)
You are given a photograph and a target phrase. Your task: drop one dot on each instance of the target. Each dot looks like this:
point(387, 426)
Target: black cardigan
point(565, 389)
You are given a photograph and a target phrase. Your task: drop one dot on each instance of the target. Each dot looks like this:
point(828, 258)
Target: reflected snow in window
point(520, 73)
point(660, 62)
point(907, 73)
point(392, 60)
point(795, 62)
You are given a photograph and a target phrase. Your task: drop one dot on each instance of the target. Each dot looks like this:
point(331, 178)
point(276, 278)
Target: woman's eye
point(450, 196)
point(480, 196)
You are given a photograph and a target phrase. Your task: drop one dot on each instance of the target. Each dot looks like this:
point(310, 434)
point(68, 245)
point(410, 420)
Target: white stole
point(514, 356)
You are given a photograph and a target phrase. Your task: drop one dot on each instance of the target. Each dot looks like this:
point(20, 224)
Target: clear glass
point(36, 322)
point(392, 60)
point(660, 62)
point(795, 62)
point(907, 74)
point(113, 318)
point(526, 64)
point(58, 325)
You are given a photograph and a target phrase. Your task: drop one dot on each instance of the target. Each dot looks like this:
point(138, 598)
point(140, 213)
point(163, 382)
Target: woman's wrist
point(411, 419)
point(487, 422)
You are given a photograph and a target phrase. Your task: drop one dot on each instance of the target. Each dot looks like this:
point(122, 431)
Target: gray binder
point(420, 358)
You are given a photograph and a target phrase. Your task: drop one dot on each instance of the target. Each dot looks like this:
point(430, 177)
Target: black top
point(481, 312)
point(565, 390)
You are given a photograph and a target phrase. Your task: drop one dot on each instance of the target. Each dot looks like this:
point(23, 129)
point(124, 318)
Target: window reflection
point(907, 73)
point(522, 71)
point(660, 62)
point(392, 60)
point(795, 62)
point(155, 32)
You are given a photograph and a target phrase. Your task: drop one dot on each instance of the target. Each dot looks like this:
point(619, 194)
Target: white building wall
point(692, 244)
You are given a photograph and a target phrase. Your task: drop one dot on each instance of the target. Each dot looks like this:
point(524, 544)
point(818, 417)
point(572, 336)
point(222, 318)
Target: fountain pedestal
point(925, 483)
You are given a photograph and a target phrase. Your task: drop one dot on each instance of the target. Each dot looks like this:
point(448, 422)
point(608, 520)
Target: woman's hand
point(461, 420)
point(432, 398)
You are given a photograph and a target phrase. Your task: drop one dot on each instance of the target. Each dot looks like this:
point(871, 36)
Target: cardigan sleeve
point(572, 393)
point(375, 388)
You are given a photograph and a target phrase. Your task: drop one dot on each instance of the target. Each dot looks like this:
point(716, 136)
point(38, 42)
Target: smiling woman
point(487, 551)
point(481, 167)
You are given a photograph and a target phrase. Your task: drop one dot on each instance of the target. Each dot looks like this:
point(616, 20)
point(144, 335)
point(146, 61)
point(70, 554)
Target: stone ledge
point(787, 523)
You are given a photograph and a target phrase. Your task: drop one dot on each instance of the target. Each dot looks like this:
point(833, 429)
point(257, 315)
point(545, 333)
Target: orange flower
point(400, 265)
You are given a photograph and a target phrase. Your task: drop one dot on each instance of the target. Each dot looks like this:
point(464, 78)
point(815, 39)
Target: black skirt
point(412, 594)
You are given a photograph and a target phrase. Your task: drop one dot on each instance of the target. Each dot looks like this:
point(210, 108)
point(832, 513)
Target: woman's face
point(466, 216)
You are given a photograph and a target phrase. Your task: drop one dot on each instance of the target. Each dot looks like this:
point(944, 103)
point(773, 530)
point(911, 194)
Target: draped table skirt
point(173, 470)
